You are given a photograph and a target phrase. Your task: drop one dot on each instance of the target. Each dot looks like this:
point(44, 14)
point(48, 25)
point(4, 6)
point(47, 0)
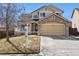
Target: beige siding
point(75, 20)
point(53, 9)
point(47, 10)
point(52, 29)
point(36, 12)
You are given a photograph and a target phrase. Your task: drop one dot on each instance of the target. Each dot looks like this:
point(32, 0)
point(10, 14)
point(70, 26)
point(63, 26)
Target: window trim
point(40, 15)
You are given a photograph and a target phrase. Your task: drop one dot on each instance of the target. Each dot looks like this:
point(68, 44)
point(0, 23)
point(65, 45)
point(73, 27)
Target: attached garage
point(54, 25)
point(52, 29)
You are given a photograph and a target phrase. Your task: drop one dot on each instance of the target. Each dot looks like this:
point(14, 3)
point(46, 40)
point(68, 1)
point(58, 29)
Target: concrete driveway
point(58, 46)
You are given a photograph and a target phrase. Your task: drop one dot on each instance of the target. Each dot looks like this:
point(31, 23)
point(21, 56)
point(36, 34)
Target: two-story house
point(47, 20)
point(3, 29)
point(75, 19)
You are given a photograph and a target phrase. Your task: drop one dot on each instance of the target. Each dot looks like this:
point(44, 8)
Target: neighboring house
point(75, 19)
point(47, 20)
point(3, 30)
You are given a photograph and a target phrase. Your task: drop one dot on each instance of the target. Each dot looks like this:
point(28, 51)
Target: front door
point(34, 28)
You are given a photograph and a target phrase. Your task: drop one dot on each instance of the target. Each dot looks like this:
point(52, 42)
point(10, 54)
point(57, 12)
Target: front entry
point(34, 28)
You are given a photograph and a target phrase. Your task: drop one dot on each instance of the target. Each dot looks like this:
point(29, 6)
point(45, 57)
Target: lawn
point(19, 41)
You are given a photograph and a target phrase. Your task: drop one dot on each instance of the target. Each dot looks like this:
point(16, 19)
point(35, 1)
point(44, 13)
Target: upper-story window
point(35, 16)
point(42, 14)
point(59, 14)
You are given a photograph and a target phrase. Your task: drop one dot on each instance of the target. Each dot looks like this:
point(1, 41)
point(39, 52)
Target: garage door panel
point(52, 29)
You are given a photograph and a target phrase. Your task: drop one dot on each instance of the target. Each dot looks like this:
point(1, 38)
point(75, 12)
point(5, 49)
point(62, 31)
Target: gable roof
point(51, 14)
point(57, 16)
point(74, 11)
point(48, 6)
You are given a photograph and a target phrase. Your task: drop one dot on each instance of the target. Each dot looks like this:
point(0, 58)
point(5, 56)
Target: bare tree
point(9, 14)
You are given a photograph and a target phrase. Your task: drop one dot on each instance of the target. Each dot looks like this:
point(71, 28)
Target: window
point(35, 16)
point(34, 27)
point(42, 15)
point(58, 14)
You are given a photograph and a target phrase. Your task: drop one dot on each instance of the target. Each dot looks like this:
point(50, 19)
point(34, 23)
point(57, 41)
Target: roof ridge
point(48, 6)
point(73, 11)
point(56, 7)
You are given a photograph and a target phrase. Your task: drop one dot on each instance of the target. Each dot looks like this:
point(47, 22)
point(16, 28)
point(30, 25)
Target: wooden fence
point(73, 31)
point(3, 33)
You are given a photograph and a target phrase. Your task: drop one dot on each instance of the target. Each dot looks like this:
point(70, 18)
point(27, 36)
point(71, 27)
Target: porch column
point(38, 30)
point(66, 30)
point(30, 28)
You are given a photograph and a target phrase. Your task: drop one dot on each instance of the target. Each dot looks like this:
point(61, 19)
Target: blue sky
point(67, 7)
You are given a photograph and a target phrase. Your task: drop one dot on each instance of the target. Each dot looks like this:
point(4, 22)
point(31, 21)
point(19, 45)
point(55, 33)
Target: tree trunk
point(7, 33)
point(7, 29)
